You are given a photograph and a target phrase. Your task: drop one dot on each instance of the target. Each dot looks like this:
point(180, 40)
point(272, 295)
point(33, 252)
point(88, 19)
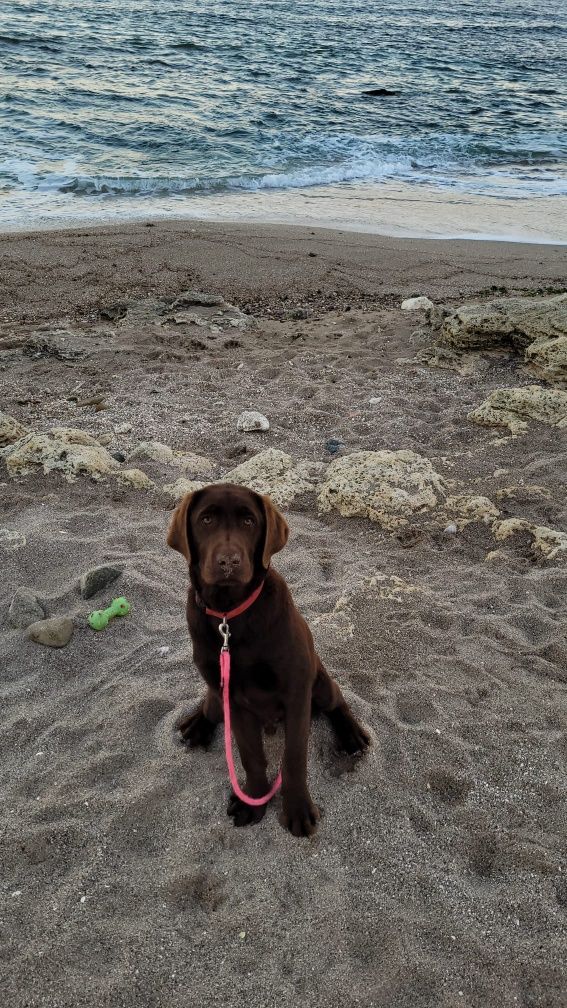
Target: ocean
point(105, 104)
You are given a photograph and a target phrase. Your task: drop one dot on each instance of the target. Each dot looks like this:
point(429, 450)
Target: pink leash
point(225, 684)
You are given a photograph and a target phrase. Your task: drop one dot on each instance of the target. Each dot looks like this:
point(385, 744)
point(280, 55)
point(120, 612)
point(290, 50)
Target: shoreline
point(77, 272)
point(398, 210)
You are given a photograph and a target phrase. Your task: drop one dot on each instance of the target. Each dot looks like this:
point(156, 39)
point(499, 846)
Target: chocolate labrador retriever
point(228, 535)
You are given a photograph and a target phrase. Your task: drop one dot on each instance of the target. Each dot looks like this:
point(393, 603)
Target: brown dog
point(228, 535)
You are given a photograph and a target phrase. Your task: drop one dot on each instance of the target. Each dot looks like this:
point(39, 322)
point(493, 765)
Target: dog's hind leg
point(327, 697)
point(198, 727)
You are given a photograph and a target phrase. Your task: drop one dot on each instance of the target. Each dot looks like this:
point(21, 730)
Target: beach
point(436, 878)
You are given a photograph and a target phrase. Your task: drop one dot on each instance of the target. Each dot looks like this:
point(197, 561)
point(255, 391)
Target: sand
point(437, 876)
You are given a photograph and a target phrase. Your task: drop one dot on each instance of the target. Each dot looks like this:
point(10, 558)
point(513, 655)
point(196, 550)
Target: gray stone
point(417, 304)
point(55, 632)
point(251, 420)
point(96, 579)
point(25, 609)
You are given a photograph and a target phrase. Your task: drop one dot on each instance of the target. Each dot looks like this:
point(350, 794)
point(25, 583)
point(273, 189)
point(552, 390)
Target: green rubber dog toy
point(99, 619)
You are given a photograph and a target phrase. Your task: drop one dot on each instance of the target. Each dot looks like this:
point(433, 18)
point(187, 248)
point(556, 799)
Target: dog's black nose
point(228, 561)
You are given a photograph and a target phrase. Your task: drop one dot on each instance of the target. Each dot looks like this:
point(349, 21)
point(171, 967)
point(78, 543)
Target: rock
point(512, 322)
point(74, 436)
point(332, 446)
point(136, 478)
point(417, 304)
point(97, 578)
point(154, 450)
point(55, 632)
point(198, 465)
point(513, 407)
point(464, 509)
point(181, 487)
point(548, 357)
point(199, 298)
point(123, 428)
point(272, 472)
point(10, 429)
point(547, 543)
point(250, 420)
point(25, 609)
point(10, 540)
point(157, 452)
point(379, 92)
point(118, 456)
point(385, 486)
point(62, 452)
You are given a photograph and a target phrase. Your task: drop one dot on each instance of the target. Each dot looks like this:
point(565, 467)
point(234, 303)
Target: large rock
point(25, 609)
point(274, 473)
point(153, 450)
point(55, 632)
point(386, 486)
point(94, 580)
point(515, 322)
point(69, 451)
point(513, 407)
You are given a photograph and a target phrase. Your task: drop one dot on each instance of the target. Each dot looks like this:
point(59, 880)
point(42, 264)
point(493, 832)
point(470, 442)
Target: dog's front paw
point(196, 729)
point(300, 816)
point(243, 814)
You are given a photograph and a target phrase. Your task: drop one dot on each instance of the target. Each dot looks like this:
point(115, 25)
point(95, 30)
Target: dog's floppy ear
point(177, 533)
point(277, 531)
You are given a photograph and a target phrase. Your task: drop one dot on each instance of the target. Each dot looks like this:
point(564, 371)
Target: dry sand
point(437, 876)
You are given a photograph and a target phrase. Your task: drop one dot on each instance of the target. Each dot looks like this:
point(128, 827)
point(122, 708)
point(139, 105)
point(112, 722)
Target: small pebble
point(163, 651)
point(450, 529)
point(332, 446)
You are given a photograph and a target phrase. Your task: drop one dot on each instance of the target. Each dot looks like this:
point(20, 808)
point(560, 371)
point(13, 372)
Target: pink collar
point(239, 609)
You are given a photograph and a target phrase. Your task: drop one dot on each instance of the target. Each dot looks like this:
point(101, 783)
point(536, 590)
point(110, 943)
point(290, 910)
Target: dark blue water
point(160, 97)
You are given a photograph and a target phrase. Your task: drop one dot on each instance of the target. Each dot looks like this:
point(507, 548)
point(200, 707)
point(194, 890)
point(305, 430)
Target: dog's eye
point(206, 519)
point(249, 520)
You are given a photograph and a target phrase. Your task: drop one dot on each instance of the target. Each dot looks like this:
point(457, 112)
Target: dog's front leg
point(247, 730)
point(299, 814)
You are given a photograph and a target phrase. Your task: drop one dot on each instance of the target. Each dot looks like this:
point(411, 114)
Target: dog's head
point(227, 534)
